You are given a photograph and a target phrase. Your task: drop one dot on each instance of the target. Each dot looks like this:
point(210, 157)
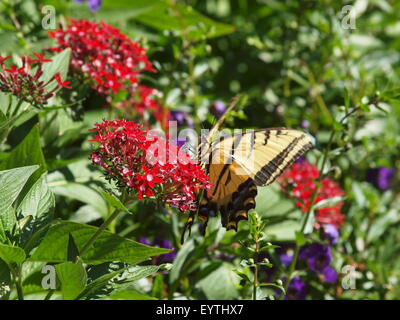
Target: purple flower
point(218, 108)
point(301, 159)
point(181, 118)
point(305, 124)
point(317, 256)
point(286, 259)
point(162, 243)
point(297, 290)
point(329, 274)
point(380, 177)
point(145, 241)
point(93, 4)
point(330, 233)
point(166, 257)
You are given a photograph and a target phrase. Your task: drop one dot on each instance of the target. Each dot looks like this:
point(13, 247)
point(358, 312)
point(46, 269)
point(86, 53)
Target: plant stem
point(255, 281)
point(104, 226)
point(15, 112)
point(93, 238)
point(18, 282)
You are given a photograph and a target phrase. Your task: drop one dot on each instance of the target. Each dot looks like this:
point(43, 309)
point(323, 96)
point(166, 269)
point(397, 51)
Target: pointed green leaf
point(72, 277)
point(38, 200)
point(118, 280)
point(11, 183)
point(59, 64)
point(28, 152)
point(108, 246)
point(11, 254)
point(113, 201)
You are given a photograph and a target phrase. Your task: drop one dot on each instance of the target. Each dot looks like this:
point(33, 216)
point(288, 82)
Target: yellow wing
point(238, 163)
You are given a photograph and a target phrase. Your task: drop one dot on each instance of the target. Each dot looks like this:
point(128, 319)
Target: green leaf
point(108, 246)
point(11, 254)
point(300, 239)
point(113, 201)
point(129, 295)
point(268, 246)
point(171, 15)
point(274, 285)
point(38, 200)
point(118, 280)
point(157, 290)
point(187, 248)
point(59, 64)
point(242, 275)
point(11, 183)
point(28, 152)
point(84, 194)
point(283, 231)
point(8, 225)
point(36, 208)
point(72, 277)
point(220, 284)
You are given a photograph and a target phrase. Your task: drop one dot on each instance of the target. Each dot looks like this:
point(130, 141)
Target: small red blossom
point(147, 165)
point(108, 58)
point(25, 85)
point(60, 82)
point(300, 182)
point(40, 58)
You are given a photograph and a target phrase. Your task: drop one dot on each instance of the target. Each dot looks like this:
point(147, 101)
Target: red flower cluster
point(26, 86)
point(109, 58)
point(147, 164)
point(300, 181)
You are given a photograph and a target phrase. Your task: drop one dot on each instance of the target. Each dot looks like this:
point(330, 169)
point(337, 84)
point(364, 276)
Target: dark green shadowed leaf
point(73, 251)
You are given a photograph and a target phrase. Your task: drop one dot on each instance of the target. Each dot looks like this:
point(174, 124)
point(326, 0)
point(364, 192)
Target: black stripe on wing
point(276, 166)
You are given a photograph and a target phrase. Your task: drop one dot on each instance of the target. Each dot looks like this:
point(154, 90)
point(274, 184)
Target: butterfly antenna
point(221, 120)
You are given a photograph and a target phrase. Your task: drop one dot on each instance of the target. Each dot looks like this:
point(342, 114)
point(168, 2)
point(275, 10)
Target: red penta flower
point(299, 181)
point(60, 82)
point(26, 86)
point(108, 58)
point(147, 165)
